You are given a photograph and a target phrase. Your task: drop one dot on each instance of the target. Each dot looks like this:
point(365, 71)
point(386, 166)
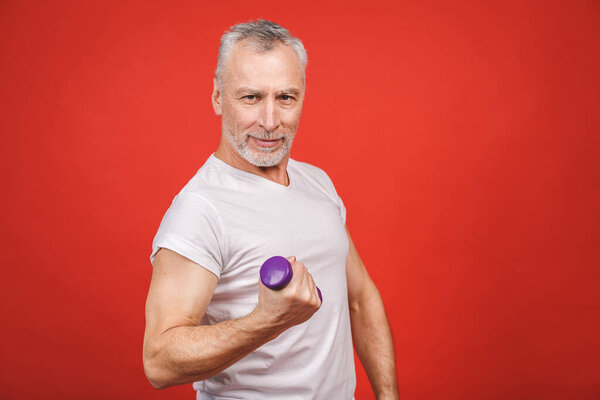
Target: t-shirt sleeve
point(192, 228)
point(342, 208)
point(332, 193)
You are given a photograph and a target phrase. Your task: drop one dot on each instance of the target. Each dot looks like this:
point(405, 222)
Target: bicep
point(179, 293)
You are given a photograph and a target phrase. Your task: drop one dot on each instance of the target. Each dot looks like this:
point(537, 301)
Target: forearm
point(373, 343)
point(186, 354)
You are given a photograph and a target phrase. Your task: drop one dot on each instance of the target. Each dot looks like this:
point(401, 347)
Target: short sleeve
point(192, 228)
point(342, 208)
point(333, 195)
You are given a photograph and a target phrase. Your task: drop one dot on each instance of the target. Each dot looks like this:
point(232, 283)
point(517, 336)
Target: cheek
point(234, 115)
point(244, 117)
point(292, 118)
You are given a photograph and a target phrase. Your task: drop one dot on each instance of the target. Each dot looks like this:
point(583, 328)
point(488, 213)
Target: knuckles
point(299, 300)
point(299, 268)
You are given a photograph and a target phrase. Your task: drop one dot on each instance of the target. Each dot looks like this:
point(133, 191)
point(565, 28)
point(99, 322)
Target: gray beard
point(265, 156)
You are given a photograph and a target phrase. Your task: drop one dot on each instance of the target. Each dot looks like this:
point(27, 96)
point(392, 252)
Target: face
point(260, 102)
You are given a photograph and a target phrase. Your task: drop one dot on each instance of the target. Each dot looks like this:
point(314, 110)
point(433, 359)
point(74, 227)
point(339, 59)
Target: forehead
point(275, 68)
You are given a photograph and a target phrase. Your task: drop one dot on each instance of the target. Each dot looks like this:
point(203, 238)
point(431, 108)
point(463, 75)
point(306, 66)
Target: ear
point(216, 97)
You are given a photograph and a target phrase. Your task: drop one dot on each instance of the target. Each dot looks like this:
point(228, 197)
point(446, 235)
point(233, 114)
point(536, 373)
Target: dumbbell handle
point(276, 273)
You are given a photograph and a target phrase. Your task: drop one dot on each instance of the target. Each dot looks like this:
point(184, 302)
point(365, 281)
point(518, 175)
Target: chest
point(308, 226)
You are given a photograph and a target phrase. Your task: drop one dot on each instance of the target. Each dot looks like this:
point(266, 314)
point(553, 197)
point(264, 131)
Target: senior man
point(209, 320)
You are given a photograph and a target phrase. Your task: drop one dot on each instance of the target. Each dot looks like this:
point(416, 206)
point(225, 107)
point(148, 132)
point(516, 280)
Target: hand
point(292, 305)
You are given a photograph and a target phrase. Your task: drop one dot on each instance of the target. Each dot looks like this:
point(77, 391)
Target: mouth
point(266, 142)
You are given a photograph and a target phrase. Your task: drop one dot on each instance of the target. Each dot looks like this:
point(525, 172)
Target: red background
point(463, 138)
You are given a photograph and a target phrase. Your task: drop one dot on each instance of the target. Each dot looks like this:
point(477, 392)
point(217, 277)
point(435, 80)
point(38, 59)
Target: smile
point(266, 142)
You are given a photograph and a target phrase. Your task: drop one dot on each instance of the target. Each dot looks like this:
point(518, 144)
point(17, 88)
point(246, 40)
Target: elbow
point(367, 299)
point(161, 379)
point(162, 375)
point(156, 374)
point(156, 384)
point(163, 372)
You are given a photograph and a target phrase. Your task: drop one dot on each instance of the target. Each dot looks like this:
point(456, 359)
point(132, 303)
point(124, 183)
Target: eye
point(286, 97)
point(250, 98)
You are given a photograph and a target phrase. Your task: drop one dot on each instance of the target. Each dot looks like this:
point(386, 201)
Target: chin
point(263, 159)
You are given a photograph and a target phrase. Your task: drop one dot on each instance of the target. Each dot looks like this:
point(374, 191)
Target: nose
point(269, 115)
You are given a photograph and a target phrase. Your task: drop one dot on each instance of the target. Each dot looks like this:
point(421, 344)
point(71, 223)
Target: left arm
point(370, 328)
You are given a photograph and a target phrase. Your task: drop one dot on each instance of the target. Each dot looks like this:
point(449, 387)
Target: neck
point(276, 173)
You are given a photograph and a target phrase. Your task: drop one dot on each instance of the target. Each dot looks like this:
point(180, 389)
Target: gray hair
point(263, 35)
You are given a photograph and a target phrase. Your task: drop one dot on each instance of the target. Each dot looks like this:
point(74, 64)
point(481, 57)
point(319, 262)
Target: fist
point(293, 304)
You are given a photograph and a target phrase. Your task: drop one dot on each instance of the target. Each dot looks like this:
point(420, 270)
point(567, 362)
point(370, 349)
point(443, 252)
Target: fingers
point(305, 282)
point(294, 303)
point(313, 290)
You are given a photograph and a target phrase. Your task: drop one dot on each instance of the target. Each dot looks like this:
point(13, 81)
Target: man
point(208, 318)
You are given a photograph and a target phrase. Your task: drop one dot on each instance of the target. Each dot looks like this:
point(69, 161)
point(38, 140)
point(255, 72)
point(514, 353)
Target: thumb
point(291, 259)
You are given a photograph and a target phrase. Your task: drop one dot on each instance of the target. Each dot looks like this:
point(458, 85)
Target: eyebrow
point(291, 90)
point(247, 90)
point(244, 90)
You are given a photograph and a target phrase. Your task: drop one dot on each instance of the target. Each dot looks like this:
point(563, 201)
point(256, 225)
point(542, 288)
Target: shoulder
point(196, 196)
point(310, 171)
point(208, 178)
point(316, 177)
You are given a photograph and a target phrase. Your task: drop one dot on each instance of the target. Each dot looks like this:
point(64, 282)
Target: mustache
point(267, 135)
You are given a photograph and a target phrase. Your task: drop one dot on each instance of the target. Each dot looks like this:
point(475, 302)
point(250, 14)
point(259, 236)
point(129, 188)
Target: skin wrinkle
point(262, 48)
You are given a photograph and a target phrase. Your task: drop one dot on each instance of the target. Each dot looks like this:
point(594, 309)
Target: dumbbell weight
point(276, 273)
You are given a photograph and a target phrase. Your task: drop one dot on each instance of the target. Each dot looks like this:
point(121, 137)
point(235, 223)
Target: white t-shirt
point(230, 221)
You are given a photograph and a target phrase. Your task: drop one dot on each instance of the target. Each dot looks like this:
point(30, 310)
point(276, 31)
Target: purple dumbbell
point(276, 273)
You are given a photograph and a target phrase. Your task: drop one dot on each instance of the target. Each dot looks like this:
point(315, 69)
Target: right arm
point(177, 350)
